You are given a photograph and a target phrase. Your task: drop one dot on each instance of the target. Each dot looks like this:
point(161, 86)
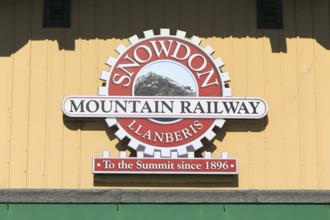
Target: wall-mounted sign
point(165, 93)
point(162, 165)
point(164, 107)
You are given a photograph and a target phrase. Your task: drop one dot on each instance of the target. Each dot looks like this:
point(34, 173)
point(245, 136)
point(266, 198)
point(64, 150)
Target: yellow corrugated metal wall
point(289, 68)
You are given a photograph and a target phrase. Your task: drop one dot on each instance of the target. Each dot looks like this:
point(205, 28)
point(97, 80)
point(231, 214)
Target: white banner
point(164, 107)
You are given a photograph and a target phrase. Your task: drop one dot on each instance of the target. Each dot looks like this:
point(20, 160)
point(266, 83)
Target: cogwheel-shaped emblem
point(165, 65)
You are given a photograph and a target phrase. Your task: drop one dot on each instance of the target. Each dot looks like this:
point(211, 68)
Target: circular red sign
point(180, 63)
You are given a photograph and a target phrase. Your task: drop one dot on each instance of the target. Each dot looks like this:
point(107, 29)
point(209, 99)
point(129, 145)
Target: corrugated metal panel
point(288, 68)
point(6, 63)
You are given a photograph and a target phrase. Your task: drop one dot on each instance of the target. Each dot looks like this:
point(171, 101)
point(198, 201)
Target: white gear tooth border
point(161, 152)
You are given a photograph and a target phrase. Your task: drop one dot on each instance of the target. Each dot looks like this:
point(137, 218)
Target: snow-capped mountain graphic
point(152, 84)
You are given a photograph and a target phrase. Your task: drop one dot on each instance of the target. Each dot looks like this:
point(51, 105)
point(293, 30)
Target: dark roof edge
point(165, 196)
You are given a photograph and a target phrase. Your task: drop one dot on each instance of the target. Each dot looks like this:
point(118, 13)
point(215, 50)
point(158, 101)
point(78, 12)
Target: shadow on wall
point(244, 126)
point(149, 180)
point(21, 21)
point(122, 180)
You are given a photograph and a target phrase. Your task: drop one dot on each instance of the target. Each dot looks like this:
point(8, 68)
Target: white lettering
point(206, 81)
point(191, 59)
point(140, 59)
point(180, 45)
point(163, 48)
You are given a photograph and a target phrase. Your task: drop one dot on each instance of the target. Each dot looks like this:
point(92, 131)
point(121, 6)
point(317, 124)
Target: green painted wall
point(162, 212)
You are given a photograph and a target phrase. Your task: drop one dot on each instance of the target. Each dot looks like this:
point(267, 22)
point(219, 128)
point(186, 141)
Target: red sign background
point(164, 166)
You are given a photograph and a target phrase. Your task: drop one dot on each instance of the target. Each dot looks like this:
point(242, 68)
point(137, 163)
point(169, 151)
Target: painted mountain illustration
point(152, 84)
